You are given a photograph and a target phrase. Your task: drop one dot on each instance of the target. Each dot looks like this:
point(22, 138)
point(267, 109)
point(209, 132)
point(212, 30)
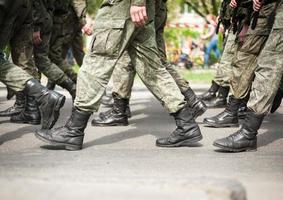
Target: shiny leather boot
point(227, 118)
point(30, 115)
point(198, 106)
point(221, 100)
point(244, 139)
point(71, 135)
point(116, 116)
point(48, 101)
point(17, 108)
point(211, 93)
point(70, 86)
point(186, 133)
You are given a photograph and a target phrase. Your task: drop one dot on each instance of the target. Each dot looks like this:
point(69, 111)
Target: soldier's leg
point(49, 69)
point(60, 43)
point(268, 74)
point(243, 66)
point(98, 66)
point(220, 83)
point(21, 52)
point(78, 47)
point(49, 102)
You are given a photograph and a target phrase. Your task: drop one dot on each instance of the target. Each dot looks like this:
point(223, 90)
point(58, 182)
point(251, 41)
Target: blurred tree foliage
point(201, 7)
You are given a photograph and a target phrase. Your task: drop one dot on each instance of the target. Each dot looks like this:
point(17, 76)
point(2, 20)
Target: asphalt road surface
point(124, 163)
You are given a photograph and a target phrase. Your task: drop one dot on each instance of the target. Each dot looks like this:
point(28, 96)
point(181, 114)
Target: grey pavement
point(124, 163)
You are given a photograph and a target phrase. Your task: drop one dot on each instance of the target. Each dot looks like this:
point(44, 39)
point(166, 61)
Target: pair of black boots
point(71, 135)
point(36, 104)
point(120, 112)
point(216, 96)
point(25, 109)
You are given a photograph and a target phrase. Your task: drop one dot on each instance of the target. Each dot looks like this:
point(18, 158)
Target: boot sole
point(112, 124)
point(69, 147)
point(209, 124)
point(228, 149)
point(33, 122)
point(184, 143)
point(56, 110)
point(10, 115)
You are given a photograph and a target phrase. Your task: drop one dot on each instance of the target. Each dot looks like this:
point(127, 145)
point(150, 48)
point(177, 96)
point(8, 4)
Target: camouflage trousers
point(11, 75)
point(269, 69)
point(245, 58)
point(22, 50)
point(224, 70)
point(44, 64)
point(124, 73)
point(66, 36)
point(111, 39)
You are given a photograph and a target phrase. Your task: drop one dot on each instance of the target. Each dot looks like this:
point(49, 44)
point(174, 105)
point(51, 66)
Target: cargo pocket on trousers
point(107, 37)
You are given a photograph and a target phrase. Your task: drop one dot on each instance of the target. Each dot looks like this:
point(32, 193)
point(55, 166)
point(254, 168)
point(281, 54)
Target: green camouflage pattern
point(245, 58)
point(124, 73)
point(115, 34)
point(269, 69)
point(224, 69)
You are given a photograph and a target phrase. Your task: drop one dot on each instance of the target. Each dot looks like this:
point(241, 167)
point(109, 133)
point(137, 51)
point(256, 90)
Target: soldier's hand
point(138, 15)
point(257, 4)
point(36, 38)
point(233, 4)
point(87, 30)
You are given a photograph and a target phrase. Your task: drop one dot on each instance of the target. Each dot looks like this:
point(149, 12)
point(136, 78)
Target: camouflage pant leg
point(224, 70)
point(160, 23)
point(99, 64)
point(180, 81)
point(146, 59)
point(13, 76)
point(59, 45)
point(269, 70)
point(245, 60)
point(44, 64)
point(78, 47)
point(22, 50)
point(123, 77)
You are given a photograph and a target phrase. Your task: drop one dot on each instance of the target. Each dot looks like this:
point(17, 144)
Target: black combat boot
point(30, 115)
point(186, 133)
point(116, 116)
point(244, 139)
point(50, 85)
point(211, 93)
point(242, 112)
point(227, 118)
point(221, 100)
point(48, 101)
point(277, 101)
point(198, 106)
point(17, 108)
point(107, 101)
point(70, 86)
point(71, 135)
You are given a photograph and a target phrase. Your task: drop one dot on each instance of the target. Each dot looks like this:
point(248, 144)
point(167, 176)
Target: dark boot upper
point(17, 108)
point(49, 102)
point(186, 128)
point(211, 93)
point(245, 138)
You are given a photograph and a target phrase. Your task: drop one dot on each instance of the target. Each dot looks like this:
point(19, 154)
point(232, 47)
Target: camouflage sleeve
point(138, 2)
point(80, 10)
point(36, 14)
